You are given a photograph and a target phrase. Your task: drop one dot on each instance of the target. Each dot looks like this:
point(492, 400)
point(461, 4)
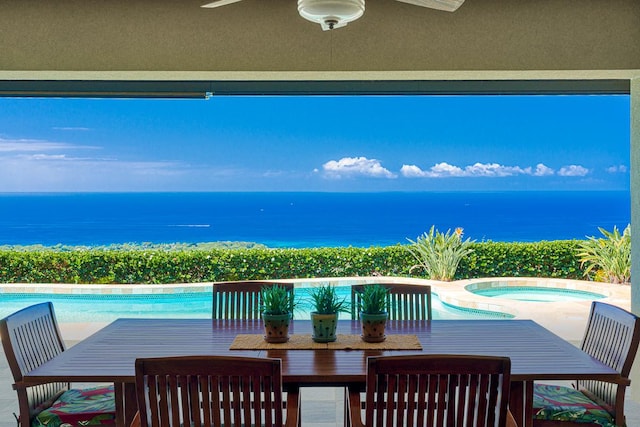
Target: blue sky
point(390, 143)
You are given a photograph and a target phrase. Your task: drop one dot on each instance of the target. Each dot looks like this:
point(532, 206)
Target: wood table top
point(109, 354)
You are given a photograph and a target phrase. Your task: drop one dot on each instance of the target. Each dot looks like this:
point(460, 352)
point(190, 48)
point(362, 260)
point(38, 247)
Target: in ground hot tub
point(533, 290)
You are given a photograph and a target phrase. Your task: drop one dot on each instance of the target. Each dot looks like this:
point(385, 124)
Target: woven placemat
point(392, 342)
point(257, 342)
point(344, 342)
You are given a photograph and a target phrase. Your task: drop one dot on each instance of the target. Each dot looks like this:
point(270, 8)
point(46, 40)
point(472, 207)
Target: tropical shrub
point(608, 257)
point(439, 254)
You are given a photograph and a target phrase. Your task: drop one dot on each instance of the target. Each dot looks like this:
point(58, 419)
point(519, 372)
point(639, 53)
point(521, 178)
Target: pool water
point(106, 308)
point(537, 294)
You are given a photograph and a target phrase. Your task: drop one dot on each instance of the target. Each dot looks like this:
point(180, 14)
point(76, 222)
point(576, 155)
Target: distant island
point(139, 246)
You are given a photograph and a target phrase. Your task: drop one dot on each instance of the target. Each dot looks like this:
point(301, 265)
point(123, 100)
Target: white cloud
point(43, 172)
point(38, 165)
point(273, 173)
point(491, 170)
point(31, 145)
point(543, 170)
point(45, 157)
point(445, 170)
point(495, 170)
point(436, 171)
point(617, 169)
point(356, 166)
point(412, 171)
point(573, 170)
point(71, 128)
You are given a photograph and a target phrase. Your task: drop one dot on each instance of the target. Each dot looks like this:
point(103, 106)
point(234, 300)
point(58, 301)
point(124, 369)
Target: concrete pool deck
point(566, 318)
point(323, 407)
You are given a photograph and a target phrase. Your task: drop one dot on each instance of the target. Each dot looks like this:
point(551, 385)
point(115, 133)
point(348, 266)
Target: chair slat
point(431, 399)
point(240, 300)
point(481, 398)
point(441, 400)
point(213, 391)
point(405, 301)
point(611, 336)
point(216, 403)
point(434, 391)
point(461, 392)
point(31, 337)
point(412, 388)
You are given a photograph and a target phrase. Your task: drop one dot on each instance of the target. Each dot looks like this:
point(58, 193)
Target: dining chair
point(213, 391)
point(406, 301)
point(240, 299)
point(433, 390)
point(611, 336)
point(31, 337)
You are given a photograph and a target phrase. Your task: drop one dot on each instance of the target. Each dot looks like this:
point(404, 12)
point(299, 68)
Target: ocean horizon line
point(304, 219)
point(212, 245)
point(36, 193)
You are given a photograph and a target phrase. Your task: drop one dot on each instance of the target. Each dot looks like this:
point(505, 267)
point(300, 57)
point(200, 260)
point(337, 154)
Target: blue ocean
point(299, 220)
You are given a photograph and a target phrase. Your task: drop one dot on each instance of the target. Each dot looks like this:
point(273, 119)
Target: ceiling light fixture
point(331, 14)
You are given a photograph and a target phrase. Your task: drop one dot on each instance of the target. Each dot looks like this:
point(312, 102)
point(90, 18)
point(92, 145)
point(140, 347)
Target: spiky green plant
point(277, 299)
point(439, 254)
point(609, 256)
point(373, 299)
point(325, 300)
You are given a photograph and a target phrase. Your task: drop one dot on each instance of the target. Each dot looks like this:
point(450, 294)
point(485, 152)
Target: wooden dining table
point(109, 354)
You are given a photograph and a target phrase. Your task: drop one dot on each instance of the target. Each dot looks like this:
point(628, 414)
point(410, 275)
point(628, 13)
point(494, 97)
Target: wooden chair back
point(434, 390)
point(405, 301)
point(31, 337)
point(612, 336)
point(212, 391)
point(240, 300)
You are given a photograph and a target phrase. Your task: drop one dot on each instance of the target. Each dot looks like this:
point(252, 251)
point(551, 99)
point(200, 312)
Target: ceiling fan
point(331, 14)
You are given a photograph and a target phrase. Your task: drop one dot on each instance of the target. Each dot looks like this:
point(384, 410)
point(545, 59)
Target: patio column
point(635, 195)
point(635, 221)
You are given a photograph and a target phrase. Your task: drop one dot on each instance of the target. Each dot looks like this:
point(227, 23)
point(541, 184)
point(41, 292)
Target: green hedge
point(539, 259)
point(490, 259)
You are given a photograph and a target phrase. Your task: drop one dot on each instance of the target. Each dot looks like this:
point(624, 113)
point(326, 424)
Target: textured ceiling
point(267, 41)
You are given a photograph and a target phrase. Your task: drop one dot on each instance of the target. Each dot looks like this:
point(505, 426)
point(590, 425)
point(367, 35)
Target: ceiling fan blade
point(219, 3)
point(447, 5)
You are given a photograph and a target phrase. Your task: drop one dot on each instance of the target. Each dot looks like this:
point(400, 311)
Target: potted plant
point(277, 309)
point(373, 303)
point(326, 305)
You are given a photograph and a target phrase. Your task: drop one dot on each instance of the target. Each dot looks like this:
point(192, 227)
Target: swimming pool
point(106, 308)
point(524, 291)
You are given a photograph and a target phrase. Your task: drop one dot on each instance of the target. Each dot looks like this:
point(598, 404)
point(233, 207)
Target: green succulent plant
point(373, 299)
point(325, 300)
point(277, 299)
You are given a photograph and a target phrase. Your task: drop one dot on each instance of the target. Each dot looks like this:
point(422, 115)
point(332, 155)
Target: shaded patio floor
point(321, 407)
point(324, 407)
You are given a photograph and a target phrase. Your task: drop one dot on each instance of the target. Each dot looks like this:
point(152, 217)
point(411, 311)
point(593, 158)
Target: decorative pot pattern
point(324, 327)
point(373, 326)
point(276, 327)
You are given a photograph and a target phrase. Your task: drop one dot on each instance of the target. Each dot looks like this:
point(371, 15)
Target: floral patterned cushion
point(80, 407)
point(558, 403)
